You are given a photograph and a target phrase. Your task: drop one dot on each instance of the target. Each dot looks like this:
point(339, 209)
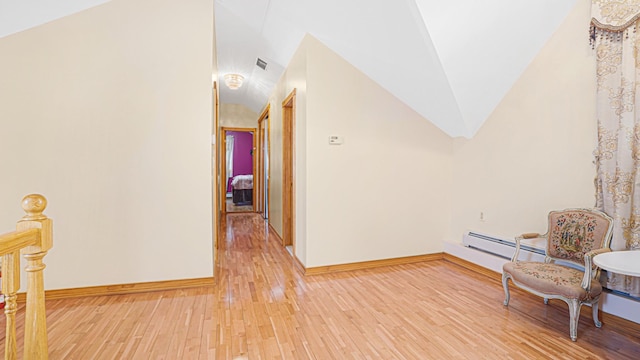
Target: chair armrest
point(514, 258)
point(589, 265)
point(530, 235)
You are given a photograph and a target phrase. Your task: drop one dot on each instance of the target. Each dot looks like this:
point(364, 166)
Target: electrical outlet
point(481, 215)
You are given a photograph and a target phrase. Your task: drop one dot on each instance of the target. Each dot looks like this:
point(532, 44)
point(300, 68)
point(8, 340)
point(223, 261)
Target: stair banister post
point(35, 336)
point(10, 287)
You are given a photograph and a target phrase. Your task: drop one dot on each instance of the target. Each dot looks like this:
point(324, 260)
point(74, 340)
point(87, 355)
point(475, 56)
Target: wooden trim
point(289, 97)
point(254, 167)
point(216, 169)
point(372, 264)
point(268, 131)
point(257, 174)
point(288, 170)
point(222, 170)
point(400, 261)
point(260, 134)
point(264, 112)
point(299, 265)
point(238, 129)
point(473, 267)
point(122, 289)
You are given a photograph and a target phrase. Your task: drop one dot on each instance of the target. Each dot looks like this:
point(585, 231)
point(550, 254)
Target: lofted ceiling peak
point(451, 61)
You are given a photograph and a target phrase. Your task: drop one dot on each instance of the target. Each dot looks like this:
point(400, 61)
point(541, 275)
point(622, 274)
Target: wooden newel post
point(35, 327)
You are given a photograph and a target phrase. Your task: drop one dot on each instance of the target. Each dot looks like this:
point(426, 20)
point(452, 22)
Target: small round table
point(620, 262)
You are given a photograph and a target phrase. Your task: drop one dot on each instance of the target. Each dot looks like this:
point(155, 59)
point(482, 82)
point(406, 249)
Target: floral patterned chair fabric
point(574, 237)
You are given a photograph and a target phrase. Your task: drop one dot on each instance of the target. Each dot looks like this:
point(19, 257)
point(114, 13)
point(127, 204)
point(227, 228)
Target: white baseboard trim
point(610, 303)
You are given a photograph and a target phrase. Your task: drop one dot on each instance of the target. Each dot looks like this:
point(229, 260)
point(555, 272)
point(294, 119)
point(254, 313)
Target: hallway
point(265, 308)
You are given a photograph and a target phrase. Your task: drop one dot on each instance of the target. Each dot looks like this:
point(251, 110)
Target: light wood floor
point(231, 207)
point(262, 308)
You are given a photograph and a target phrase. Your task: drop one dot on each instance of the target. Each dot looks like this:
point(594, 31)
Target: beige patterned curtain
point(615, 36)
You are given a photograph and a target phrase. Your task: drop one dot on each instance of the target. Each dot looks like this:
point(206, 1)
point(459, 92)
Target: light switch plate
point(336, 140)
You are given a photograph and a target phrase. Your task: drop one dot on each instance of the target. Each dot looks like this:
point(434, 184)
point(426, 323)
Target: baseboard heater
point(530, 249)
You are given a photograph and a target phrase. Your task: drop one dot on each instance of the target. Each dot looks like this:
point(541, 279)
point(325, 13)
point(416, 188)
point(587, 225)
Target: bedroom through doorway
point(238, 169)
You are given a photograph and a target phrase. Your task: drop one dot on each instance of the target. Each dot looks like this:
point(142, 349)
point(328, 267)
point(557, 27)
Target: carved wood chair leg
point(594, 311)
point(505, 285)
point(574, 317)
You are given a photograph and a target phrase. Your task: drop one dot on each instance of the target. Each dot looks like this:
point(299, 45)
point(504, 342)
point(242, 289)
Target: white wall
point(294, 77)
point(237, 115)
point(108, 113)
point(385, 192)
point(372, 197)
point(534, 154)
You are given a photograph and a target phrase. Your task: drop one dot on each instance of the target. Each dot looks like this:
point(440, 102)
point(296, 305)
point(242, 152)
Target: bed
point(242, 187)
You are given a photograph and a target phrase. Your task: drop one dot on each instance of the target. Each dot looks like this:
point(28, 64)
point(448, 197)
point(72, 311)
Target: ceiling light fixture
point(233, 81)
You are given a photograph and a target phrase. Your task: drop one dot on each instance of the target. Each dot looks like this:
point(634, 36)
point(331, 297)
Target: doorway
point(288, 143)
point(238, 168)
point(263, 172)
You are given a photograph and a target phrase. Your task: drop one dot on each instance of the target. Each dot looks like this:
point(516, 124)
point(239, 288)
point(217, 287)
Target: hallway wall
point(355, 211)
point(294, 78)
point(349, 208)
point(108, 113)
point(236, 115)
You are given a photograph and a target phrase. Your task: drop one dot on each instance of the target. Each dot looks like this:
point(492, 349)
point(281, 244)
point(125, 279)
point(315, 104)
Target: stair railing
point(33, 238)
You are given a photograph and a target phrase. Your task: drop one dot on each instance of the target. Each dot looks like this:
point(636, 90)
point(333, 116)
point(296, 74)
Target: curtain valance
point(614, 15)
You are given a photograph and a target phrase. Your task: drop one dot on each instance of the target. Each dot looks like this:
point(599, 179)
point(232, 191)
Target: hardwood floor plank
point(263, 307)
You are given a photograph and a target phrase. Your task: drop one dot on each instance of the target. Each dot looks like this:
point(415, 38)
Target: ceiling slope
point(451, 61)
point(19, 15)
point(485, 46)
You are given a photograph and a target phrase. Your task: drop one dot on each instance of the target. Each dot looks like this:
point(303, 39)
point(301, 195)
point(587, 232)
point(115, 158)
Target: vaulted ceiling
point(451, 61)
point(18, 15)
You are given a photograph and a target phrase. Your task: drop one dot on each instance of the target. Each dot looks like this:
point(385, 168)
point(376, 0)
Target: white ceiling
point(451, 61)
point(18, 15)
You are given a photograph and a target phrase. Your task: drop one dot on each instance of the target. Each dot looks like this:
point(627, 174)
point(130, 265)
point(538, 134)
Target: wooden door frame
point(215, 140)
point(223, 164)
point(265, 115)
point(288, 169)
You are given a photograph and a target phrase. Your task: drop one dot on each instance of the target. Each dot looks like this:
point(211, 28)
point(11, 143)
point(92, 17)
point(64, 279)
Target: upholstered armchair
point(574, 237)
